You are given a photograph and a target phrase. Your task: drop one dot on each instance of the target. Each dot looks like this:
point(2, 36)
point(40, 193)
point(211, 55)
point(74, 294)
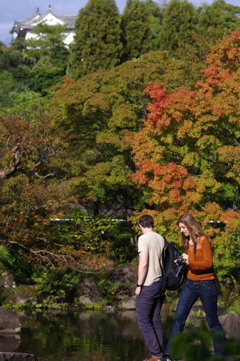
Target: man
point(149, 289)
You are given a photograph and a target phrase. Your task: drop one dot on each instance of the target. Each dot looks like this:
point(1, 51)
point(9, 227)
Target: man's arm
point(142, 270)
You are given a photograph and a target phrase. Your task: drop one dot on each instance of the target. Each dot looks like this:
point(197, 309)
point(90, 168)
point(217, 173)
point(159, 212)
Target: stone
point(85, 299)
point(110, 309)
point(231, 324)
point(124, 291)
point(89, 292)
point(18, 298)
point(26, 294)
point(55, 307)
point(7, 280)
point(9, 322)
point(15, 356)
point(129, 304)
point(126, 272)
point(126, 278)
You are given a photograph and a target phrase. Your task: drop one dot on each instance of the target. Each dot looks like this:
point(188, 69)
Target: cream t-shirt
point(153, 243)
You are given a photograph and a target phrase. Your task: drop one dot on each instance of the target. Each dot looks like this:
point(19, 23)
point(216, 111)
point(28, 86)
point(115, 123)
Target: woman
point(200, 280)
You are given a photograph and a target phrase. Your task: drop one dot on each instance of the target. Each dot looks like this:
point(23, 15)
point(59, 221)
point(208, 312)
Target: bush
point(196, 345)
point(57, 284)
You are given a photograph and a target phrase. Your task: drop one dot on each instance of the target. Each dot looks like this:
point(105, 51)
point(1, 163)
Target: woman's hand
point(185, 257)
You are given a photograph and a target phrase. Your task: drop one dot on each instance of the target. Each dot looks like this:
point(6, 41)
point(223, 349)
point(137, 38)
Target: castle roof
point(28, 23)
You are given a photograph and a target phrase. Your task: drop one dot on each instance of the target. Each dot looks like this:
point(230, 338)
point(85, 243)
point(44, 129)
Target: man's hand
point(138, 291)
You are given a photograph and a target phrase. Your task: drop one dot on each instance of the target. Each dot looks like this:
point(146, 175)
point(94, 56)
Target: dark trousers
point(207, 291)
point(148, 306)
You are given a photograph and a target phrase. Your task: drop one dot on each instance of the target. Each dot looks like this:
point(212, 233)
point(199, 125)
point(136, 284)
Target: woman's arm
point(204, 259)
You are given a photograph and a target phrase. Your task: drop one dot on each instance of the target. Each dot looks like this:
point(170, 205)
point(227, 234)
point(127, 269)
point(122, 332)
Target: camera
point(182, 266)
point(180, 261)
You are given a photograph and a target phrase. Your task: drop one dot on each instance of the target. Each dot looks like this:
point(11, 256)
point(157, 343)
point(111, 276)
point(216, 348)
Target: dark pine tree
point(97, 42)
point(217, 20)
point(178, 28)
point(155, 21)
point(137, 32)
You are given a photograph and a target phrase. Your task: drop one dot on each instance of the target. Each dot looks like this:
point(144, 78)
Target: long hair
point(194, 228)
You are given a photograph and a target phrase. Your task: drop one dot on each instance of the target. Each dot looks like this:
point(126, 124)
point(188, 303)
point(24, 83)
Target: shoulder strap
point(161, 264)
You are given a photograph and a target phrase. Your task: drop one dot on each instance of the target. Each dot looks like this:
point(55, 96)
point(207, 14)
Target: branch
point(17, 153)
point(53, 258)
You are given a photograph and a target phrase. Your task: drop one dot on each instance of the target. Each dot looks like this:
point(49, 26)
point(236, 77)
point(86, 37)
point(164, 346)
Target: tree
point(8, 85)
point(47, 74)
point(51, 53)
point(97, 42)
point(38, 170)
point(217, 20)
point(188, 150)
point(178, 27)
point(49, 42)
point(155, 22)
point(103, 109)
point(15, 73)
point(36, 64)
point(179, 38)
point(137, 33)
point(35, 168)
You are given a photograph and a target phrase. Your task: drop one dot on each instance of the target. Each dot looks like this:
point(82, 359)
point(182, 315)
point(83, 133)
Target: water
point(78, 336)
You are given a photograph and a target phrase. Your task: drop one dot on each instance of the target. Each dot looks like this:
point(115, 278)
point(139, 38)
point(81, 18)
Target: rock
point(198, 306)
point(126, 277)
point(26, 294)
point(195, 321)
point(110, 309)
point(7, 287)
point(129, 304)
point(15, 356)
point(126, 272)
point(7, 280)
point(124, 291)
point(18, 298)
point(85, 299)
point(231, 324)
point(89, 292)
point(227, 282)
point(9, 322)
point(55, 307)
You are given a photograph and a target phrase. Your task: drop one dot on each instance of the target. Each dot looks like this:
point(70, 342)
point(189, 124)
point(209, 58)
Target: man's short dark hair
point(146, 221)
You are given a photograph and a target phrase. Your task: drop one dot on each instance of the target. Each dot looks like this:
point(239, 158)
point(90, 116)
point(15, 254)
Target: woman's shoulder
point(203, 239)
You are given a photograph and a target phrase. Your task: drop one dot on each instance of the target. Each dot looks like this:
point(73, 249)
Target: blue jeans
point(148, 306)
point(207, 291)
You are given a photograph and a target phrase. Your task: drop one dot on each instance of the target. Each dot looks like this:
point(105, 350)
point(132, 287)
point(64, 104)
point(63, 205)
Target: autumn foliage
point(188, 151)
point(141, 137)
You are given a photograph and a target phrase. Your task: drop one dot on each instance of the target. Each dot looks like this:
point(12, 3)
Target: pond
point(78, 336)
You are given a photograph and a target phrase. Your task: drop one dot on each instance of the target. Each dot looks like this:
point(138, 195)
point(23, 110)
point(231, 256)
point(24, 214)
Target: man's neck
point(147, 230)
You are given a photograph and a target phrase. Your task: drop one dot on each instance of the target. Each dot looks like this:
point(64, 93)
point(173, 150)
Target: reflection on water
point(88, 336)
point(9, 342)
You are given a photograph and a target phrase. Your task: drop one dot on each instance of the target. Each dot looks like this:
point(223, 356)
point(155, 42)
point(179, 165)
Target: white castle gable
point(23, 28)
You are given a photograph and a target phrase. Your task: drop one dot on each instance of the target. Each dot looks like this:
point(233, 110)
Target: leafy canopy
point(188, 152)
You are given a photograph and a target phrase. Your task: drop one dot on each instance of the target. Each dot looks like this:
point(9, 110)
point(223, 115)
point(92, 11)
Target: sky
point(11, 10)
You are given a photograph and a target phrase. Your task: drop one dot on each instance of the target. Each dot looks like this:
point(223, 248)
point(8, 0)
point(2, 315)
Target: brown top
point(200, 266)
